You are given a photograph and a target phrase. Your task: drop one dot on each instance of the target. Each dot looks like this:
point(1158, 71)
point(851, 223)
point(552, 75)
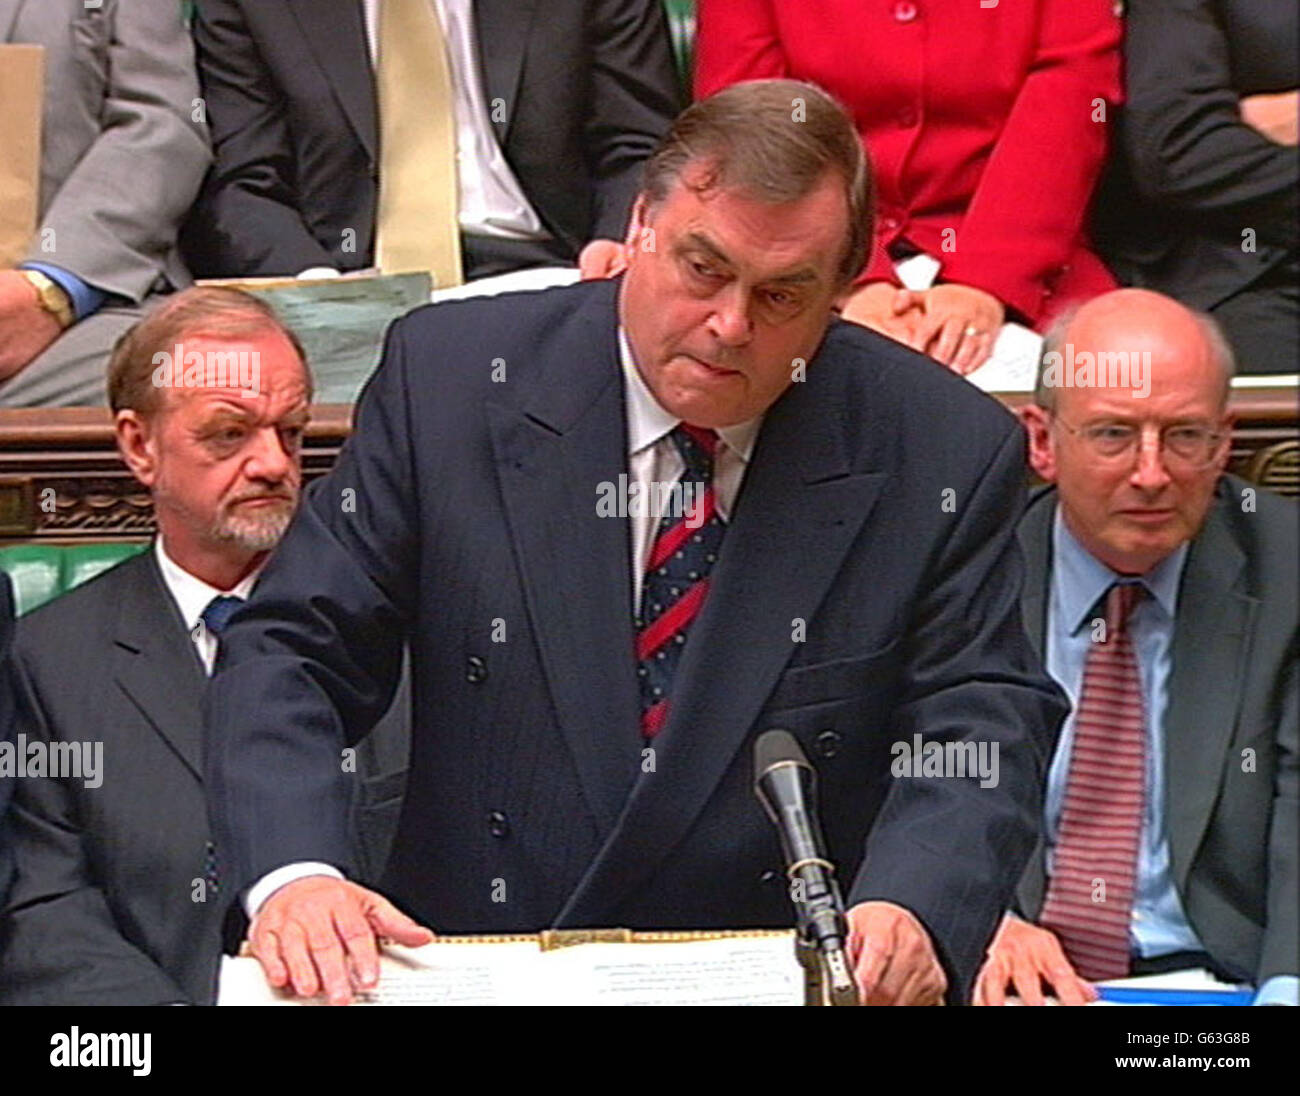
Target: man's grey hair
point(1057, 336)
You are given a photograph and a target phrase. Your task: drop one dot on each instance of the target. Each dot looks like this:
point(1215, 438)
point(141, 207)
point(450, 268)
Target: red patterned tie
point(1090, 897)
point(677, 575)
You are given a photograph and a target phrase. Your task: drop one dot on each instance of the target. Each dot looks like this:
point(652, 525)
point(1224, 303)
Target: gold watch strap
point(53, 298)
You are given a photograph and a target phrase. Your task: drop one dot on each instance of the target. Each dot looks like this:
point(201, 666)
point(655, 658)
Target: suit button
point(905, 11)
point(498, 824)
point(889, 224)
point(828, 743)
point(770, 876)
point(475, 670)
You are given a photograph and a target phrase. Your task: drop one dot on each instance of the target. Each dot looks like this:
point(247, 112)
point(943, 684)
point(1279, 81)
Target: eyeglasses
point(1191, 444)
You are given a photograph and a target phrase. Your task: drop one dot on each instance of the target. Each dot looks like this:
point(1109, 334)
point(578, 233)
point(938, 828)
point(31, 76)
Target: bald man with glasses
point(1161, 593)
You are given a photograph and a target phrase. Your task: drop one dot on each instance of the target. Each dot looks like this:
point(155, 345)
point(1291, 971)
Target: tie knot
point(1121, 600)
point(219, 611)
point(697, 447)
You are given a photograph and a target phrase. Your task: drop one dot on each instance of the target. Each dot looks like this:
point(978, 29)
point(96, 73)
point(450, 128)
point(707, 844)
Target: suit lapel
point(1035, 533)
point(501, 33)
point(1209, 649)
point(567, 436)
point(156, 664)
point(800, 501)
point(335, 32)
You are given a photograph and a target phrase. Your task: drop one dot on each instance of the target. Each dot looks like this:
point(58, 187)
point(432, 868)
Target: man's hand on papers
point(893, 958)
point(1025, 956)
point(319, 934)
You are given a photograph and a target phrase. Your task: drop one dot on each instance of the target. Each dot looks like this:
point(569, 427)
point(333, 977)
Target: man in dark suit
point(6, 726)
point(554, 107)
point(116, 898)
point(590, 679)
point(1204, 202)
point(1208, 826)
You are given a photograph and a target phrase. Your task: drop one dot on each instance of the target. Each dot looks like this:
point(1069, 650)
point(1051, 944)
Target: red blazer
point(977, 120)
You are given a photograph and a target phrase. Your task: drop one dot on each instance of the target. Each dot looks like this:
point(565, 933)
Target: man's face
point(724, 296)
point(224, 467)
point(1132, 510)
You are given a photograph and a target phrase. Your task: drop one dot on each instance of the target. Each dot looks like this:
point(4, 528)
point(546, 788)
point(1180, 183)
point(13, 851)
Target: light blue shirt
point(1159, 925)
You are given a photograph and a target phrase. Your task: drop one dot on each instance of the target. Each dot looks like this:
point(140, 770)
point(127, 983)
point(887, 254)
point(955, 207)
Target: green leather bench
point(40, 572)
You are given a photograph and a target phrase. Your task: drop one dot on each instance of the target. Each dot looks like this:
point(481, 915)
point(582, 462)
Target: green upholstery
point(42, 572)
point(681, 26)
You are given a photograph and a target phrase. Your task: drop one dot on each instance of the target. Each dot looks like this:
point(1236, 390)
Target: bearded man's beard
point(258, 530)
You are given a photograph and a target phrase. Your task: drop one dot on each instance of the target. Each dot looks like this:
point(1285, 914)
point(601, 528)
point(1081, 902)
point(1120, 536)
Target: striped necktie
point(1090, 897)
point(677, 575)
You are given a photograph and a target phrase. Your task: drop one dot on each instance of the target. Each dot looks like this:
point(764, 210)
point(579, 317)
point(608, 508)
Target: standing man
point(589, 678)
point(121, 161)
point(464, 137)
point(1163, 593)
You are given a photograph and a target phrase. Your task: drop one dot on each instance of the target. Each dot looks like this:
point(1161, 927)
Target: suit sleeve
point(116, 217)
point(247, 222)
point(946, 848)
point(59, 942)
point(1182, 129)
point(1281, 951)
point(312, 661)
point(1026, 216)
point(634, 99)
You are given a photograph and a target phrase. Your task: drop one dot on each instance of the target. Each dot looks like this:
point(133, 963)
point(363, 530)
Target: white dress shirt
point(492, 203)
point(652, 458)
point(192, 596)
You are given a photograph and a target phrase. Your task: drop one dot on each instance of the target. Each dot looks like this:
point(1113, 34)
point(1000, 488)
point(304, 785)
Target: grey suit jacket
point(117, 898)
point(121, 157)
point(1233, 688)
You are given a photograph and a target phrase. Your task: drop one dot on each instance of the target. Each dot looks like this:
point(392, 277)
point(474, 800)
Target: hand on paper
point(318, 934)
point(893, 958)
point(1024, 956)
point(26, 328)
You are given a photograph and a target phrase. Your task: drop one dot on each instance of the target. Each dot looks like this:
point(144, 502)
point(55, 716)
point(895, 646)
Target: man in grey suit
point(122, 158)
point(117, 897)
point(1193, 863)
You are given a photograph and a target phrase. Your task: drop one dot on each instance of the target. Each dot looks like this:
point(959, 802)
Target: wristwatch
point(52, 297)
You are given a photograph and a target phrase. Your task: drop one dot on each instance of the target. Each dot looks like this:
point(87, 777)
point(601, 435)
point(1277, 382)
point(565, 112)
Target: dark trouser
point(1262, 321)
point(485, 256)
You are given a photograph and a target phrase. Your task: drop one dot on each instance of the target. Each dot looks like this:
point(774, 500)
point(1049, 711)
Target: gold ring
point(972, 330)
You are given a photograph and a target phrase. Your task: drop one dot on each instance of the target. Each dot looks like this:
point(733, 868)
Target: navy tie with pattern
point(218, 613)
point(677, 574)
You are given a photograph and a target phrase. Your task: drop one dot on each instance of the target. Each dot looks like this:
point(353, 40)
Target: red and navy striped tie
point(1089, 901)
point(676, 580)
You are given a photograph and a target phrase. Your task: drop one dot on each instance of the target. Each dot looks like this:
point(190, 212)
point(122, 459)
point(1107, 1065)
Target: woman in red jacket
point(986, 124)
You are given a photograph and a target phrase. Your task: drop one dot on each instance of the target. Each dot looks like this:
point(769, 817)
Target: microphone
point(786, 785)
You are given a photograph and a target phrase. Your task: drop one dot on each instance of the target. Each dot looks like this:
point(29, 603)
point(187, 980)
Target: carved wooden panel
point(61, 477)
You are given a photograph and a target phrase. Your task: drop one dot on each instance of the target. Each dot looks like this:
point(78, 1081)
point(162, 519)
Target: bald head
point(1137, 340)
